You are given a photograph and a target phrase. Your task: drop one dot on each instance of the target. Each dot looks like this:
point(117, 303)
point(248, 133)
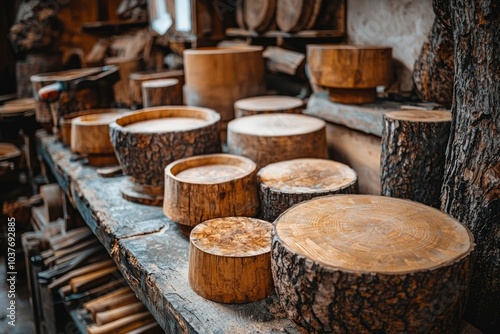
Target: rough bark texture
point(412, 159)
point(323, 300)
point(144, 156)
point(433, 74)
point(471, 189)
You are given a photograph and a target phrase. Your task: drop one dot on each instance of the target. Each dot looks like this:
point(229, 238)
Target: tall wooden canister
point(218, 77)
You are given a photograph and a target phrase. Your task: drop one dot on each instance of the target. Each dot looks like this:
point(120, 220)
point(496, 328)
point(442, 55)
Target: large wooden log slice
point(259, 15)
point(230, 260)
point(271, 138)
point(268, 105)
point(209, 186)
point(413, 154)
point(297, 15)
point(371, 264)
point(148, 140)
point(286, 183)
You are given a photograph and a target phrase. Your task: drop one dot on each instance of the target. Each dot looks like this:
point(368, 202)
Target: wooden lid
point(259, 103)
point(19, 106)
point(158, 83)
point(307, 175)
point(96, 119)
point(166, 119)
point(149, 75)
point(65, 75)
point(276, 125)
point(8, 151)
point(233, 237)
point(210, 168)
point(420, 115)
point(373, 234)
point(238, 49)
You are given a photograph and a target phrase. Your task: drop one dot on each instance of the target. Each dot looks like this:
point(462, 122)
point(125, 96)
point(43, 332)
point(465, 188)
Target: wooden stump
point(230, 260)
point(218, 77)
point(268, 105)
point(90, 137)
point(351, 73)
point(365, 264)
point(413, 154)
point(209, 186)
point(121, 88)
point(271, 138)
point(136, 79)
point(148, 140)
point(284, 184)
point(161, 92)
point(260, 15)
point(65, 121)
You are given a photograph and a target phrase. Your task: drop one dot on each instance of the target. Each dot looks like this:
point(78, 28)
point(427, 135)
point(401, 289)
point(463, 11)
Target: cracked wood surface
point(152, 254)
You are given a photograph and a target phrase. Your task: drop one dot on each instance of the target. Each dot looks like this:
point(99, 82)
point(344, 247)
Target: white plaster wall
point(402, 24)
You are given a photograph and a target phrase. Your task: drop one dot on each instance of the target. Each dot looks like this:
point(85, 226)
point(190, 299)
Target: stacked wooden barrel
point(148, 140)
point(218, 77)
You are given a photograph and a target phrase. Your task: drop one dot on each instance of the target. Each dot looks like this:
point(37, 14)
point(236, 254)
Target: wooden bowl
point(65, 121)
point(350, 72)
point(209, 186)
point(148, 140)
point(230, 260)
point(90, 133)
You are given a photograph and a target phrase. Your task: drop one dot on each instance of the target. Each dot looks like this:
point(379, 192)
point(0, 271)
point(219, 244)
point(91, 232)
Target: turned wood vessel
point(209, 186)
point(65, 121)
point(268, 105)
point(414, 146)
point(161, 92)
point(148, 140)
point(136, 79)
point(286, 183)
point(350, 72)
point(218, 77)
point(230, 260)
point(90, 137)
point(361, 263)
point(271, 138)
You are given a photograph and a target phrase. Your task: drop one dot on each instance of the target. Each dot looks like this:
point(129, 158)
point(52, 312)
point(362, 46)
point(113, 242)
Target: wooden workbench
point(152, 254)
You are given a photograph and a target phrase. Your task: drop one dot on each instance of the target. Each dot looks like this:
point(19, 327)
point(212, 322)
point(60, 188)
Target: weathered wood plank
point(152, 255)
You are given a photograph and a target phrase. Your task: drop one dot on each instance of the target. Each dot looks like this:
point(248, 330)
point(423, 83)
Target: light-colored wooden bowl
point(209, 186)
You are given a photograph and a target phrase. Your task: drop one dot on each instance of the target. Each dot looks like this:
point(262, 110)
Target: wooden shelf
point(152, 254)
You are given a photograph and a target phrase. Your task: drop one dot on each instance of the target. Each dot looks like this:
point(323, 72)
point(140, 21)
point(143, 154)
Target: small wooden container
point(364, 264)
point(148, 140)
point(65, 121)
point(209, 186)
point(286, 183)
point(268, 105)
point(161, 92)
point(350, 72)
point(90, 137)
point(230, 260)
point(271, 138)
point(136, 79)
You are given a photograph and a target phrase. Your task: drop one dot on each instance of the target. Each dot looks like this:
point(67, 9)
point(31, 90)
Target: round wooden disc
point(159, 83)
point(420, 115)
point(269, 103)
point(289, 13)
point(307, 175)
point(96, 119)
point(373, 234)
point(257, 13)
point(8, 151)
point(275, 125)
point(233, 237)
point(138, 194)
